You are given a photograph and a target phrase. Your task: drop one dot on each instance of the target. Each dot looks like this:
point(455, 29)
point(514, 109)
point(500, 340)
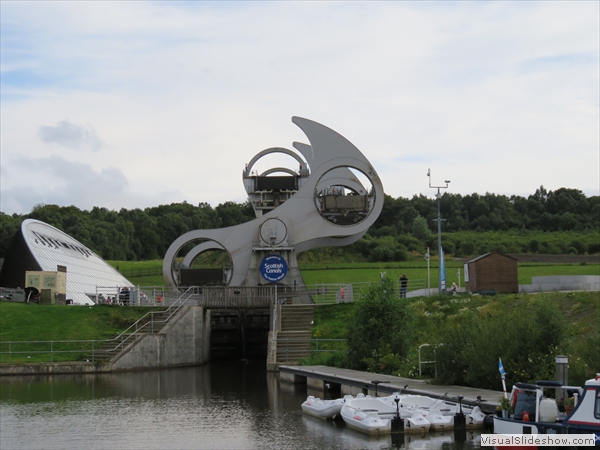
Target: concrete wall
point(180, 343)
point(542, 284)
point(53, 368)
point(562, 283)
point(292, 378)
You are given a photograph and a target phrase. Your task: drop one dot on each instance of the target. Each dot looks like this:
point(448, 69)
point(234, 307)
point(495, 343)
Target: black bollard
point(397, 422)
point(460, 424)
point(460, 421)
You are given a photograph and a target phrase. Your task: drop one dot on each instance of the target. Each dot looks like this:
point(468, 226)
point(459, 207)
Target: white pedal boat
point(323, 409)
point(475, 418)
point(438, 421)
point(425, 403)
point(417, 423)
point(373, 415)
point(439, 412)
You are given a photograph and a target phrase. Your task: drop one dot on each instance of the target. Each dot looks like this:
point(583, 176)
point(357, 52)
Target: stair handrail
point(127, 335)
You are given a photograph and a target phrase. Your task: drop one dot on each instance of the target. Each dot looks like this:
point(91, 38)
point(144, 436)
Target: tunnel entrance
point(239, 333)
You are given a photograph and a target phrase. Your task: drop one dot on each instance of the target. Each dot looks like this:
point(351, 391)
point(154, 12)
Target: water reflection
point(222, 405)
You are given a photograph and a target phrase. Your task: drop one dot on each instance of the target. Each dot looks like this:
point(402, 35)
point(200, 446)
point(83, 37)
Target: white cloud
point(178, 96)
point(70, 135)
point(54, 180)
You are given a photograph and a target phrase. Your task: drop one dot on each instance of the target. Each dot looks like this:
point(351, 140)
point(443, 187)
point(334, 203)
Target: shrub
point(525, 340)
point(379, 320)
point(383, 360)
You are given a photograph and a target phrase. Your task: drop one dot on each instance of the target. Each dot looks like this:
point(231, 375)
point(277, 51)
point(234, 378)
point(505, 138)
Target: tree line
point(560, 222)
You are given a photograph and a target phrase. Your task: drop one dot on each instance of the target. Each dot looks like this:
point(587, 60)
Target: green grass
point(333, 273)
point(359, 275)
point(33, 322)
point(135, 265)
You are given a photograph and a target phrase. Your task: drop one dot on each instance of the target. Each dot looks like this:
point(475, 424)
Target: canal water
point(221, 405)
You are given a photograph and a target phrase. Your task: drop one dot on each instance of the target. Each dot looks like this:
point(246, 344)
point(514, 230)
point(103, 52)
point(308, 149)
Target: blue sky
point(136, 104)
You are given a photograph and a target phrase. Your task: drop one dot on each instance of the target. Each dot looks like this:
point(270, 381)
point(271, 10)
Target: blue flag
point(442, 270)
point(501, 368)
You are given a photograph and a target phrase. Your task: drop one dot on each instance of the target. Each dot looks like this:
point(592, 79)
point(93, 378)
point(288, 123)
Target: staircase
point(151, 323)
point(294, 338)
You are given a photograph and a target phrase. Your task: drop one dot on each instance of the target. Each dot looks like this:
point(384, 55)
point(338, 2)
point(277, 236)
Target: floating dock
point(334, 382)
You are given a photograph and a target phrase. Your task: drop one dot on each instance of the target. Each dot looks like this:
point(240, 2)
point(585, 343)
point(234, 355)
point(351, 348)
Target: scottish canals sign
point(273, 268)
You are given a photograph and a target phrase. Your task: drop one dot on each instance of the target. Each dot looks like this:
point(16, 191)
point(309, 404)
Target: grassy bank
point(580, 312)
point(33, 322)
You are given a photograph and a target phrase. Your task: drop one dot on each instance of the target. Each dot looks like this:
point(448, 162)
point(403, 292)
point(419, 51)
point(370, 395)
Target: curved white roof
point(85, 270)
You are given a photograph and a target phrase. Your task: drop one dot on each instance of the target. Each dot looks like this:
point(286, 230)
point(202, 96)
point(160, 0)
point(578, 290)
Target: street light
point(439, 225)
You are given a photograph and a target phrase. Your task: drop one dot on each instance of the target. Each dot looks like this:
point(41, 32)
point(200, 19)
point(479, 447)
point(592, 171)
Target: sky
point(138, 104)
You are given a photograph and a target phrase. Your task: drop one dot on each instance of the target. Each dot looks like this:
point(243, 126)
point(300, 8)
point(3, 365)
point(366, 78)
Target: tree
point(380, 328)
point(231, 213)
point(420, 230)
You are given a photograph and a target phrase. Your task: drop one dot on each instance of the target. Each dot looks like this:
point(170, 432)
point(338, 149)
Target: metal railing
point(241, 297)
point(349, 292)
point(88, 350)
point(82, 348)
point(421, 362)
point(288, 350)
point(147, 324)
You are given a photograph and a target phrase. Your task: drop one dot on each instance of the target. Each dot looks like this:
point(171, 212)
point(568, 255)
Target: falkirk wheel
point(332, 200)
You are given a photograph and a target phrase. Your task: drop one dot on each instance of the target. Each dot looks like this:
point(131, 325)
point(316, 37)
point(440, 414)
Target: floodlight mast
point(439, 227)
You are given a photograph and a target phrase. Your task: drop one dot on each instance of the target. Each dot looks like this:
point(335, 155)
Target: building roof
point(44, 247)
point(485, 255)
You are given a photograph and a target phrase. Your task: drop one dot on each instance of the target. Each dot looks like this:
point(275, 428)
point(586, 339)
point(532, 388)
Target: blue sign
point(273, 268)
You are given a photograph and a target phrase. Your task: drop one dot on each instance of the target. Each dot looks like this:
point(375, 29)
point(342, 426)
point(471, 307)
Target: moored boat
point(475, 418)
point(439, 411)
point(536, 414)
point(369, 415)
point(416, 423)
point(438, 421)
point(374, 415)
point(323, 409)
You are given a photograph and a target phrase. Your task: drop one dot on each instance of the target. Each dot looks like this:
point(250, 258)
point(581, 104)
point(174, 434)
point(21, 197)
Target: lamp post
point(439, 227)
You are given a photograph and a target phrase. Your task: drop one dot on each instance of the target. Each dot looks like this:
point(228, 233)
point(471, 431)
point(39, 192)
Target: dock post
point(397, 422)
point(562, 375)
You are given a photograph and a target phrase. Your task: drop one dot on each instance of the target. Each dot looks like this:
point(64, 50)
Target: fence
point(226, 296)
point(23, 351)
point(289, 349)
point(432, 355)
point(349, 292)
point(85, 350)
point(88, 349)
